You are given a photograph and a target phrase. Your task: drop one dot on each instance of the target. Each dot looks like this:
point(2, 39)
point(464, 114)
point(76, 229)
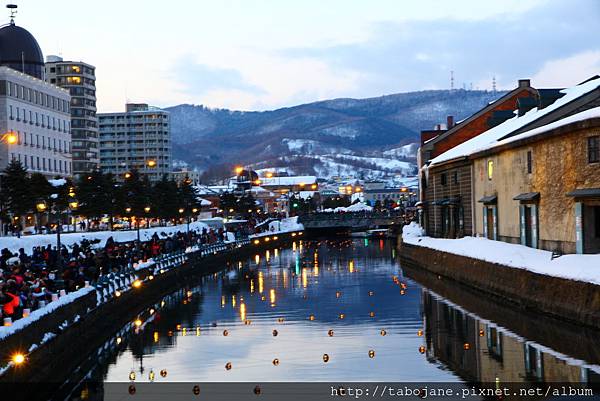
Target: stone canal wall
point(83, 325)
point(570, 300)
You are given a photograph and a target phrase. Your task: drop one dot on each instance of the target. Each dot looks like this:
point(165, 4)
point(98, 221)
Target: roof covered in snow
point(287, 181)
point(581, 116)
point(497, 133)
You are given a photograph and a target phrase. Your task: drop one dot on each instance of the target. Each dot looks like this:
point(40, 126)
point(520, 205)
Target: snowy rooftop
point(286, 181)
point(584, 115)
point(491, 137)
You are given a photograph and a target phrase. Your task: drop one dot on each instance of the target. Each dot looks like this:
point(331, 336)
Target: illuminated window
point(73, 80)
point(490, 169)
point(75, 68)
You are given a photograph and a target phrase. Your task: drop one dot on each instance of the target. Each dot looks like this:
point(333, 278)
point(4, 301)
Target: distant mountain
point(308, 136)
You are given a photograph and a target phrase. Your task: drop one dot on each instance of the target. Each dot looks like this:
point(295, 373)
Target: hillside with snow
point(375, 135)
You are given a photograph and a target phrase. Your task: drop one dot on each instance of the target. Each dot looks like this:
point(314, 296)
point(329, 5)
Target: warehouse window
point(594, 149)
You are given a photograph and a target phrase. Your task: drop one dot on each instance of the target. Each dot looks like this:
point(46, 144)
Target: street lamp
point(151, 163)
point(127, 175)
point(11, 138)
point(147, 210)
point(238, 170)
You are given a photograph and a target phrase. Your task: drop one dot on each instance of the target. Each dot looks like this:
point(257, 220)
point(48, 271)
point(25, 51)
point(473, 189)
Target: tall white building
point(139, 138)
point(35, 120)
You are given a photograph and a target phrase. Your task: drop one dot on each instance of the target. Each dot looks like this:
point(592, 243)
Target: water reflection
point(479, 350)
point(350, 288)
point(341, 310)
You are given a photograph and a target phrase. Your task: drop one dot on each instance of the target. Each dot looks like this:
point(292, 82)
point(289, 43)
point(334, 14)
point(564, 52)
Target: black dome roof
point(20, 51)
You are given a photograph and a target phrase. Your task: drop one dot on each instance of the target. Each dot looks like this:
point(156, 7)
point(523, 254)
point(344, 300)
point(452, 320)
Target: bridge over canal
point(351, 221)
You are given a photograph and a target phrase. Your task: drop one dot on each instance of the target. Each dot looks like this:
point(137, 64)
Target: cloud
point(412, 55)
point(552, 42)
point(579, 67)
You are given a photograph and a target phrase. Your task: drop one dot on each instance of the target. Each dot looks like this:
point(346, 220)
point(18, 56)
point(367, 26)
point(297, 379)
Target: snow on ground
point(403, 151)
point(584, 268)
point(28, 242)
point(308, 146)
point(386, 164)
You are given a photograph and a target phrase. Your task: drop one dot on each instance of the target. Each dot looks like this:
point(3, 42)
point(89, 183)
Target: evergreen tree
point(165, 200)
point(16, 189)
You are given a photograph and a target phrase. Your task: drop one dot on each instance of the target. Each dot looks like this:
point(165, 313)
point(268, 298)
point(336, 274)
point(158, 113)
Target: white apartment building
point(139, 138)
point(35, 124)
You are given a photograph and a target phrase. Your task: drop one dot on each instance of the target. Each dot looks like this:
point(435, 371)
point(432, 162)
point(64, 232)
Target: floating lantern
point(342, 316)
point(325, 358)
point(132, 375)
point(311, 317)
point(155, 336)
point(137, 284)
point(330, 333)
point(372, 314)
point(228, 366)
point(163, 373)
point(466, 346)
point(275, 333)
point(117, 293)
point(371, 293)
point(178, 327)
point(280, 320)
point(189, 293)
point(225, 333)
point(481, 333)
point(402, 292)
point(138, 322)
point(151, 277)
point(196, 390)
point(119, 340)
point(338, 294)
point(276, 362)
point(422, 349)
point(263, 298)
point(151, 375)
point(383, 332)
point(371, 354)
point(151, 311)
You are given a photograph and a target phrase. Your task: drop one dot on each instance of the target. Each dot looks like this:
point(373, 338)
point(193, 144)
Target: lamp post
point(72, 205)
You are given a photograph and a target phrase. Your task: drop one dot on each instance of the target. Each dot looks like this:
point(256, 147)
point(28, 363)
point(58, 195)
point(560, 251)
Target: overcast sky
point(256, 55)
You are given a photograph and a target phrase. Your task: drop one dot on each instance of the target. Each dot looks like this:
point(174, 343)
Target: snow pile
point(574, 267)
point(412, 230)
point(357, 207)
point(28, 242)
point(20, 324)
point(286, 225)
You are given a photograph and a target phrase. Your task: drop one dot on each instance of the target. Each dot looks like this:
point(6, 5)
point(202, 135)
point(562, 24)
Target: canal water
point(332, 311)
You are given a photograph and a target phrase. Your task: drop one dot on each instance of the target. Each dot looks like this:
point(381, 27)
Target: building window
point(597, 222)
point(594, 149)
point(455, 177)
point(490, 169)
point(529, 162)
point(443, 179)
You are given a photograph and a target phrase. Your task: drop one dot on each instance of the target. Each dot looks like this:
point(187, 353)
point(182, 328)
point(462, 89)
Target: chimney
point(524, 83)
point(450, 122)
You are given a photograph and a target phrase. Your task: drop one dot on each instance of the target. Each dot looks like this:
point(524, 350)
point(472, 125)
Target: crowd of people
point(29, 280)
